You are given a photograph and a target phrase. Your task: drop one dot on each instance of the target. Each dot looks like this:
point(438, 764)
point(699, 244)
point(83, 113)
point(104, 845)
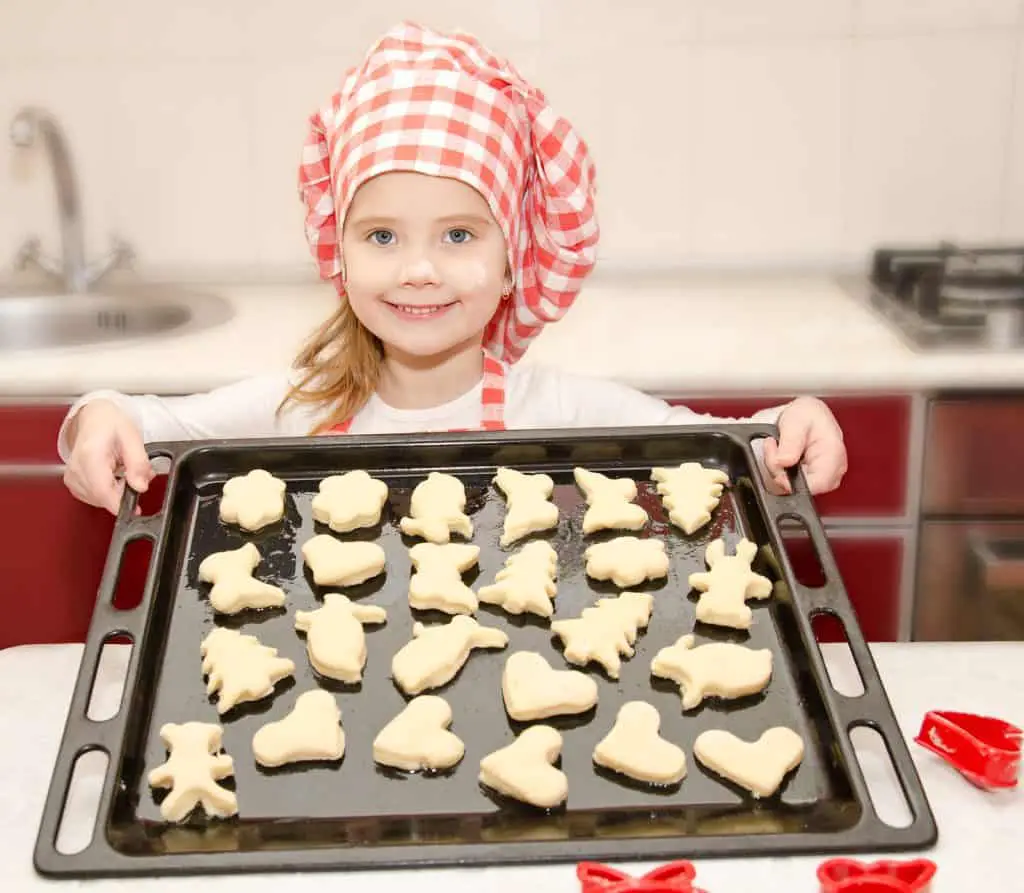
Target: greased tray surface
point(356, 812)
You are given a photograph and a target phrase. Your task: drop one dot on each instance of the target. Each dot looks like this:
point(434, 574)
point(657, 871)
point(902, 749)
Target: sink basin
point(40, 318)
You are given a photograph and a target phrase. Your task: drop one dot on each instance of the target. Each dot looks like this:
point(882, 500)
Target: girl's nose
point(419, 272)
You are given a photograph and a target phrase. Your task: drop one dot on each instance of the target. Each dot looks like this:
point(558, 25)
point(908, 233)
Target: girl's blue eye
point(382, 237)
point(459, 236)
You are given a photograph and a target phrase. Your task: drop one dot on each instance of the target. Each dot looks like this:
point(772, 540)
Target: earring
point(508, 288)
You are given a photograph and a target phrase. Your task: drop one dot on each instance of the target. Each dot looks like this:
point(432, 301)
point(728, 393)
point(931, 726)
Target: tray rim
point(843, 713)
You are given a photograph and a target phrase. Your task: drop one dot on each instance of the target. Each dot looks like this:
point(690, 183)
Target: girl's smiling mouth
point(420, 311)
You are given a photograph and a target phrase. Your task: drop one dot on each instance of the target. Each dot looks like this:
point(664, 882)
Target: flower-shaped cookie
point(253, 500)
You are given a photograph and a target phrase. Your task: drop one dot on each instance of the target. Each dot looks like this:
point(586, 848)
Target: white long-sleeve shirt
point(535, 397)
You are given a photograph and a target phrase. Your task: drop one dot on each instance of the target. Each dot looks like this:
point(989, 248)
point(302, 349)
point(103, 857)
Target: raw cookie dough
point(436, 583)
point(524, 770)
point(335, 640)
point(436, 509)
point(627, 560)
point(759, 766)
point(435, 654)
point(605, 631)
point(634, 748)
point(192, 770)
point(526, 582)
point(312, 731)
point(252, 501)
point(727, 586)
point(719, 669)
point(419, 738)
point(690, 492)
point(240, 668)
point(337, 563)
point(533, 690)
point(234, 588)
point(528, 510)
point(610, 502)
point(349, 501)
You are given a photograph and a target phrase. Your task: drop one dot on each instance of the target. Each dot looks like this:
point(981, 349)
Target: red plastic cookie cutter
point(672, 877)
point(885, 876)
point(985, 750)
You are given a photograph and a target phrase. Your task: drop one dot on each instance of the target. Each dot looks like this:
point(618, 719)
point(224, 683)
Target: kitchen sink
point(40, 317)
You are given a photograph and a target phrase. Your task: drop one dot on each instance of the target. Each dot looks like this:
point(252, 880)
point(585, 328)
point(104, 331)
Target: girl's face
point(424, 263)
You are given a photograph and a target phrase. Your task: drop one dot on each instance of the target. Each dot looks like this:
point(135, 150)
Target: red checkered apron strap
point(492, 400)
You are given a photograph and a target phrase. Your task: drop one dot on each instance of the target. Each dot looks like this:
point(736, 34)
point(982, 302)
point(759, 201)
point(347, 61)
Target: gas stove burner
point(949, 295)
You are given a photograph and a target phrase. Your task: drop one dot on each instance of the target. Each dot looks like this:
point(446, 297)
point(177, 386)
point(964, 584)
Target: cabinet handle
point(1000, 563)
point(31, 469)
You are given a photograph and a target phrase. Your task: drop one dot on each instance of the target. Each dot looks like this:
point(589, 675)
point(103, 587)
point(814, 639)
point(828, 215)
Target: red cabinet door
point(876, 430)
point(52, 552)
point(871, 569)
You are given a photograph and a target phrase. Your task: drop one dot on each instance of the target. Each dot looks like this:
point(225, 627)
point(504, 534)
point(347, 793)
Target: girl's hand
point(104, 441)
point(808, 434)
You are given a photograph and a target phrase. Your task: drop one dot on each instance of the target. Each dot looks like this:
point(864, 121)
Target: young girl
point(453, 210)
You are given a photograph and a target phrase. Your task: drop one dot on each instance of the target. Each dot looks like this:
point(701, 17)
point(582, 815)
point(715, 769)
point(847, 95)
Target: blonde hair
point(339, 368)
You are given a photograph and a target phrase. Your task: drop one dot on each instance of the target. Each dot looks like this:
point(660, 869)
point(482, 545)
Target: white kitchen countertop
point(689, 334)
point(979, 832)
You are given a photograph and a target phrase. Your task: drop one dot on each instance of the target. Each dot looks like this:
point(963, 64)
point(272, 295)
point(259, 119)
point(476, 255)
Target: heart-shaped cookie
point(524, 770)
point(759, 766)
point(916, 874)
point(533, 690)
point(418, 738)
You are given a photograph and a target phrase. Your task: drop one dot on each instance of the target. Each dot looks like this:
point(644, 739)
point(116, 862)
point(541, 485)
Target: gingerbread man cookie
point(349, 501)
point(610, 502)
point(528, 510)
point(526, 582)
point(728, 584)
point(627, 560)
point(234, 587)
point(335, 639)
point(194, 766)
point(437, 583)
point(252, 501)
point(436, 509)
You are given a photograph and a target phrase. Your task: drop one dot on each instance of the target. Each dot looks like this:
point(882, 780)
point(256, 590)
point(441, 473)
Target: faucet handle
point(120, 255)
point(31, 255)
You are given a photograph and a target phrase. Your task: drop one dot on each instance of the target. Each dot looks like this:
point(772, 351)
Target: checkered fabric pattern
point(445, 105)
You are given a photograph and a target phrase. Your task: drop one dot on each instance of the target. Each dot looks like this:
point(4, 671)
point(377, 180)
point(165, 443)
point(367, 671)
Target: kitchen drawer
point(28, 431)
point(876, 430)
point(973, 451)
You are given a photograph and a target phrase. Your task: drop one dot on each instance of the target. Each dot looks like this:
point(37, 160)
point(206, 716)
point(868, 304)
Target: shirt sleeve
point(592, 402)
point(248, 408)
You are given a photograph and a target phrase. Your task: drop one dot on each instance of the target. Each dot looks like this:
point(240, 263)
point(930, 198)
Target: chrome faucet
point(76, 274)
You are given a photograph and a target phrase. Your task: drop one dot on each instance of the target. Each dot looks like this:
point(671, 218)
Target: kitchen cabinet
point(52, 547)
point(873, 495)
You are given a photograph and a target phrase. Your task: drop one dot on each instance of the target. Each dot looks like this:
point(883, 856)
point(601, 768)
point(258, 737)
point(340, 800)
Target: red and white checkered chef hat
point(445, 105)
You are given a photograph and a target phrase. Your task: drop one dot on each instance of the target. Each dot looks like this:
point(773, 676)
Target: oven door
point(970, 583)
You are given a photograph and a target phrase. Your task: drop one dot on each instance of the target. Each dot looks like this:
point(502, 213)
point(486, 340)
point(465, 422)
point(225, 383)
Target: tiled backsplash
point(726, 132)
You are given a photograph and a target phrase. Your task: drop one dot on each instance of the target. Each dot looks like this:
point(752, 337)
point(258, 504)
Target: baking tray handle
point(83, 734)
point(872, 707)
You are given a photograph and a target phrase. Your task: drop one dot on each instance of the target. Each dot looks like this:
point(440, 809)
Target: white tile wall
point(730, 132)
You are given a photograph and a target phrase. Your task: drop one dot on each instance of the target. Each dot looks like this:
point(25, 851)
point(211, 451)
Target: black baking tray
point(359, 815)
